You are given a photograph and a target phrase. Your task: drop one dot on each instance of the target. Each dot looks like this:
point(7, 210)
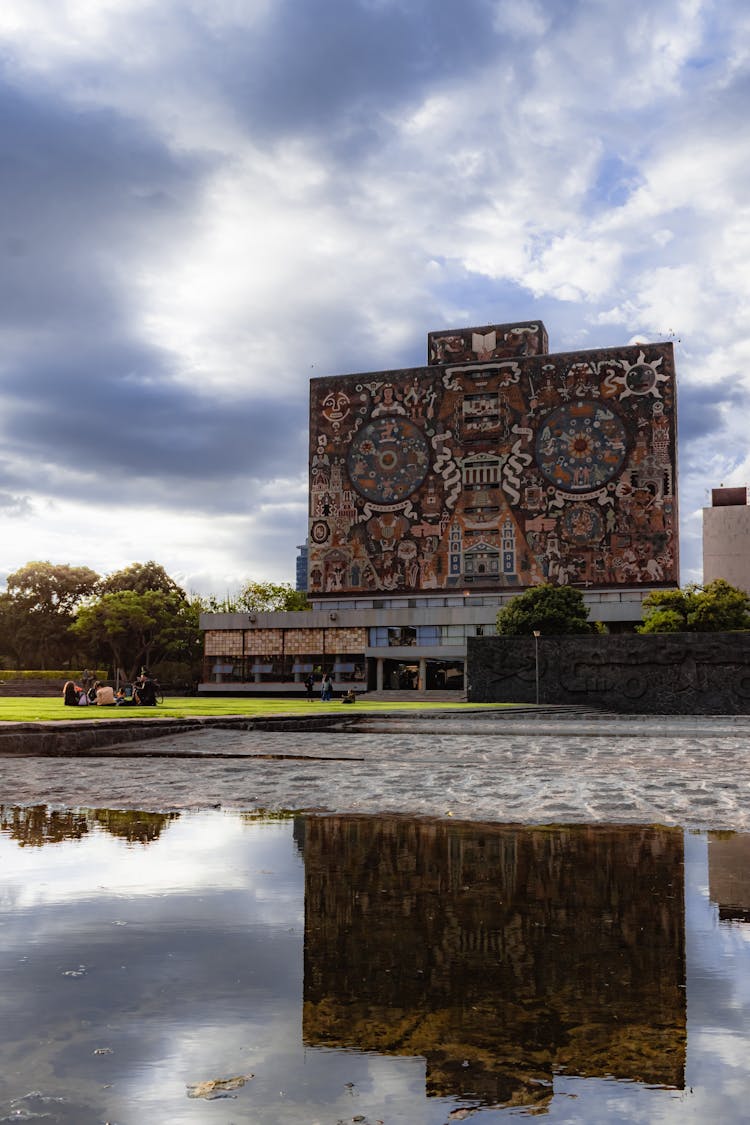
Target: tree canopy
point(55, 615)
point(717, 607)
point(551, 610)
point(260, 597)
point(134, 629)
point(52, 587)
point(38, 609)
point(140, 577)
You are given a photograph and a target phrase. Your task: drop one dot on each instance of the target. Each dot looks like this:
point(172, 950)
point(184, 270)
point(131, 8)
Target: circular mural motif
point(582, 524)
point(319, 532)
point(388, 460)
point(580, 446)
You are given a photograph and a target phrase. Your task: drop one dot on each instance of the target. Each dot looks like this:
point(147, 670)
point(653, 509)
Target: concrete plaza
point(511, 767)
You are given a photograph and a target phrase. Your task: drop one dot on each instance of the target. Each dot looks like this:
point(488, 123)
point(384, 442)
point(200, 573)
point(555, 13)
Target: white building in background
point(726, 537)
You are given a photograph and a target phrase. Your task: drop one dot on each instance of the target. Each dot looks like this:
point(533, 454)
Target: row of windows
point(262, 668)
point(385, 636)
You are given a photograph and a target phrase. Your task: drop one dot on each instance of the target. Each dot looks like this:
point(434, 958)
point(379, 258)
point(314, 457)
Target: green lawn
point(28, 708)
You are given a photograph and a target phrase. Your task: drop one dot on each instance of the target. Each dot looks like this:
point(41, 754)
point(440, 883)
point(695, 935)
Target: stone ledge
point(70, 737)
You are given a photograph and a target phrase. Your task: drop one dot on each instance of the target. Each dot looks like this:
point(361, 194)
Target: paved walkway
point(522, 768)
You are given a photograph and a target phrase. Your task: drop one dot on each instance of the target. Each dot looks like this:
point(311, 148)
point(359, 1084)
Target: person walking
point(309, 685)
point(326, 688)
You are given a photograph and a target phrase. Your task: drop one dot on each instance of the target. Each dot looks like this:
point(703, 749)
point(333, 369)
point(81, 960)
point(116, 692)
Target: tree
point(715, 608)
point(135, 629)
point(52, 587)
point(260, 597)
point(38, 610)
point(17, 633)
point(140, 577)
point(552, 610)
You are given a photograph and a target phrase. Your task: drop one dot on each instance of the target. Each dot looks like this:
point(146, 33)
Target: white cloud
point(100, 865)
point(337, 192)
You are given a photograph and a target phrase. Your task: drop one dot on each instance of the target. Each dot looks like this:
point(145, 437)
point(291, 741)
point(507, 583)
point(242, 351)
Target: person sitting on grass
point(105, 696)
point(71, 692)
point(349, 697)
point(145, 689)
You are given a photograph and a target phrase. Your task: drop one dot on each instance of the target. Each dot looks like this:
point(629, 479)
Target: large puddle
point(219, 968)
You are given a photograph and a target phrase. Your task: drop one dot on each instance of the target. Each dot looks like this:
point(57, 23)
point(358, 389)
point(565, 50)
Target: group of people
point(326, 689)
point(142, 693)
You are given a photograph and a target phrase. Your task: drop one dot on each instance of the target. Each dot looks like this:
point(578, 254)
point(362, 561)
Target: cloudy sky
point(203, 203)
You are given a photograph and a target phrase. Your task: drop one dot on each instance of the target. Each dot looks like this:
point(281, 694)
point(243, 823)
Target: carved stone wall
point(668, 674)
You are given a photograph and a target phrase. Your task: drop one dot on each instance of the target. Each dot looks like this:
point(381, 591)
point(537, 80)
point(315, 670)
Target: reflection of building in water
point(729, 875)
point(520, 952)
point(40, 825)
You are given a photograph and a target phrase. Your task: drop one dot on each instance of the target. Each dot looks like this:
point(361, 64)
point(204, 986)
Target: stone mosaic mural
point(508, 472)
point(492, 341)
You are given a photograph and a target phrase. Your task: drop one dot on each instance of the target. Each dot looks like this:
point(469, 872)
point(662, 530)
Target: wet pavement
point(519, 768)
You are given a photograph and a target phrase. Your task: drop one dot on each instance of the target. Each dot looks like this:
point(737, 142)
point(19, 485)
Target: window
point(428, 634)
point(398, 637)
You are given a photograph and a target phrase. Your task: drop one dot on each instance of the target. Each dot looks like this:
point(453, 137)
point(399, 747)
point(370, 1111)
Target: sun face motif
point(641, 378)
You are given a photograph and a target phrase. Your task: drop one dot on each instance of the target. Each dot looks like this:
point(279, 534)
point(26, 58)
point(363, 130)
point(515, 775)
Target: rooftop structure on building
point(438, 493)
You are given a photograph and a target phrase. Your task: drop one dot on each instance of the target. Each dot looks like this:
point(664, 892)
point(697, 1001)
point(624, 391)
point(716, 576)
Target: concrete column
point(422, 681)
point(379, 674)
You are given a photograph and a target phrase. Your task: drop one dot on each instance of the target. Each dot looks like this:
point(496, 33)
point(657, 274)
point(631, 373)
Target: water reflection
point(369, 969)
point(39, 825)
point(729, 875)
point(501, 955)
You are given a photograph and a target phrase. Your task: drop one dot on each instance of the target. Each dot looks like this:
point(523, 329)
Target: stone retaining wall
point(668, 673)
point(31, 687)
point(87, 737)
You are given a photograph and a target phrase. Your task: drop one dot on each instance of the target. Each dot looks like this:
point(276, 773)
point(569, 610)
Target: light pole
point(537, 635)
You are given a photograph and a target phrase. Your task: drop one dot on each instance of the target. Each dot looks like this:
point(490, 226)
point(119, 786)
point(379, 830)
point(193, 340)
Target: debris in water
point(217, 1087)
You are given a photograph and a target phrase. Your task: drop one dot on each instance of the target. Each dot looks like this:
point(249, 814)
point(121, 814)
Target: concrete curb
point(71, 738)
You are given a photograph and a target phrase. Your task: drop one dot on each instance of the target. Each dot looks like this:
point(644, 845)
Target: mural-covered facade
point(497, 465)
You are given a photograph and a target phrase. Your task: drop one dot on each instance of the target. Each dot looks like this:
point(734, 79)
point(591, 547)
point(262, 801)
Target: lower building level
point(369, 644)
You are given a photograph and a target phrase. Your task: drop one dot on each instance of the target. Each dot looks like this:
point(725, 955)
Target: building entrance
point(400, 676)
point(445, 675)
point(415, 675)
